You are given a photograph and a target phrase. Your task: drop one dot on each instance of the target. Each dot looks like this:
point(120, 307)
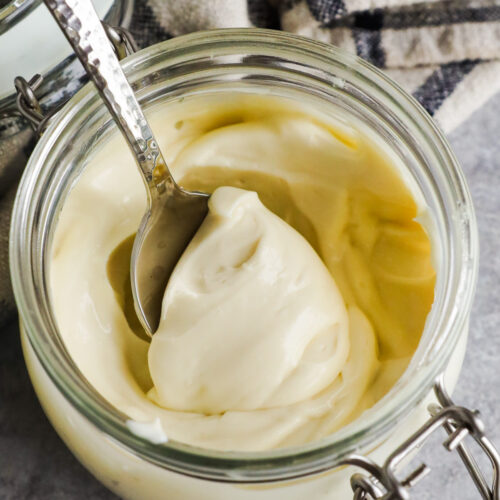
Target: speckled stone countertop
point(35, 464)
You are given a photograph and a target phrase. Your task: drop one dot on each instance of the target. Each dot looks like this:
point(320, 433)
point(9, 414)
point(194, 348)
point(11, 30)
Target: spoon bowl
point(166, 229)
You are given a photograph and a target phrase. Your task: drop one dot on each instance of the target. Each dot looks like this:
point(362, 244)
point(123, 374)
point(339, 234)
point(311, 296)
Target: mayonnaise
point(239, 363)
point(250, 298)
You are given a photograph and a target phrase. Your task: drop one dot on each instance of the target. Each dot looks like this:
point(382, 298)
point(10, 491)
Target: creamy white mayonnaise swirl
point(251, 317)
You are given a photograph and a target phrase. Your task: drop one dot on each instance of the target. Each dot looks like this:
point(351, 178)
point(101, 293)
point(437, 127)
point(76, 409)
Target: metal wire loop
point(122, 40)
point(26, 100)
point(459, 422)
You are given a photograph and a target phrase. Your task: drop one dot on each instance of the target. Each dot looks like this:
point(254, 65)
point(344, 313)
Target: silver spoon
point(173, 214)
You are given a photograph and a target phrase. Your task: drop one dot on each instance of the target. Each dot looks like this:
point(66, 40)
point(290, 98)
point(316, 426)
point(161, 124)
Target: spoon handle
point(84, 31)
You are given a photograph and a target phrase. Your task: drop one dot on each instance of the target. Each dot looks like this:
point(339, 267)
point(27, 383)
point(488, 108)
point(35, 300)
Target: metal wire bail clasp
point(381, 481)
point(122, 40)
point(28, 103)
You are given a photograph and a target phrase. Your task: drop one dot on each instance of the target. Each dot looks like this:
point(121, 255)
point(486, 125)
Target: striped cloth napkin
point(446, 53)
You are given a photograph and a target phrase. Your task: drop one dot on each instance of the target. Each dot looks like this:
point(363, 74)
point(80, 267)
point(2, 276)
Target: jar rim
point(285, 463)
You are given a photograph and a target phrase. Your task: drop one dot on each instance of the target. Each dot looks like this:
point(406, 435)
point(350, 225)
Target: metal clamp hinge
point(27, 101)
point(381, 481)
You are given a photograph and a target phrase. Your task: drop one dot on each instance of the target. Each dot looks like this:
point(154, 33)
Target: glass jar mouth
point(330, 66)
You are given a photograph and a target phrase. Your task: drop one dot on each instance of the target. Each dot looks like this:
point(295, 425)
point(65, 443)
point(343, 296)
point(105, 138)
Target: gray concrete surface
point(35, 464)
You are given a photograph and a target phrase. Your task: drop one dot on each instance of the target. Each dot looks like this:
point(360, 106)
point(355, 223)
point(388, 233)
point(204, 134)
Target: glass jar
point(277, 64)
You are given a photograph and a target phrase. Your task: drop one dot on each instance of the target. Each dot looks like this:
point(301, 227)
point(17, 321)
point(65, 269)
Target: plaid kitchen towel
point(446, 53)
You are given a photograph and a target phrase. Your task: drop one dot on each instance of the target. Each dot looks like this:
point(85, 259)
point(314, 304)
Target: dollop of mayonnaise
point(251, 317)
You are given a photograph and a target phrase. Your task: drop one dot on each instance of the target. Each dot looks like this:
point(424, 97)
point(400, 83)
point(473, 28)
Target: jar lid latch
point(381, 482)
